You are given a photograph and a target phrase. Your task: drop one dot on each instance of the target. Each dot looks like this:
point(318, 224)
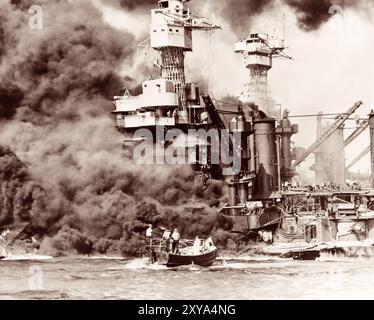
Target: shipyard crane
point(361, 128)
point(327, 134)
point(359, 157)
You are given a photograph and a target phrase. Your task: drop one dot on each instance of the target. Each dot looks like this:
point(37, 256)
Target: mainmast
point(171, 34)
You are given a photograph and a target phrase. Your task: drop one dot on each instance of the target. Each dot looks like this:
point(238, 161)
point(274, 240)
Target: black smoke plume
point(133, 4)
point(75, 185)
point(21, 197)
point(311, 14)
point(239, 13)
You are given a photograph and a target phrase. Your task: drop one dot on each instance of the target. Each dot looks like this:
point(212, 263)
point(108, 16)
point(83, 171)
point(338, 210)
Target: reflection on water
point(229, 278)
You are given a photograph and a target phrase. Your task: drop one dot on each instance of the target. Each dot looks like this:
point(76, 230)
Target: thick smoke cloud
point(311, 14)
point(76, 185)
point(21, 197)
point(134, 4)
point(239, 13)
point(71, 60)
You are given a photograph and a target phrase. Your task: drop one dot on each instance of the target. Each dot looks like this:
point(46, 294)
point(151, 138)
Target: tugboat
point(190, 252)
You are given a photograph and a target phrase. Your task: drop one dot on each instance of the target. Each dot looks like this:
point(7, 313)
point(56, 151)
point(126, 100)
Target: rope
point(208, 63)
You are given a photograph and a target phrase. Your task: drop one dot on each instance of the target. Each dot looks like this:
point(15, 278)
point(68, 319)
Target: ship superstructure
point(168, 101)
point(258, 51)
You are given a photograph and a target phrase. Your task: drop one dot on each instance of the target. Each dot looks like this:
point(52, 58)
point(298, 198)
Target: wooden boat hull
point(203, 260)
point(303, 255)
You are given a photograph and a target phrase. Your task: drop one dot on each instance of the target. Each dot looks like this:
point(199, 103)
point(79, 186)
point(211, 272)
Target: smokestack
point(266, 157)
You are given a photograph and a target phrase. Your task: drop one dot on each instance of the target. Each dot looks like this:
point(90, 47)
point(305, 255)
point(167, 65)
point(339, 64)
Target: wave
point(142, 263)
point(35, 295)
point(254, 259)
point(27, 257)
point(104, 257)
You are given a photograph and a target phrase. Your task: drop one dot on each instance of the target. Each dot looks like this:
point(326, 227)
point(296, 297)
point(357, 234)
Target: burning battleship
point(84, 195)
point(265, 202)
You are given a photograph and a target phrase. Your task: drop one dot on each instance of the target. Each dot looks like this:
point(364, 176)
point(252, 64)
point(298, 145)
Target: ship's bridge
point(156, 105)
point(168, 27)
point(156, 93)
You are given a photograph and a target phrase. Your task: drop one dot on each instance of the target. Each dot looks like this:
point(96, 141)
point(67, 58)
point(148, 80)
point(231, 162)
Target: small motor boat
point(189, 253)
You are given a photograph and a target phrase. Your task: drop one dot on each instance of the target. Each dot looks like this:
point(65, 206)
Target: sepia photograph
point(186, 150)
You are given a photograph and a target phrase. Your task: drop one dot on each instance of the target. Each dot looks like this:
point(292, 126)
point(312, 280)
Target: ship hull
point(203, 260)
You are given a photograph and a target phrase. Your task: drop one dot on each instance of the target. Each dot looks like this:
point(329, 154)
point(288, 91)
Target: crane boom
point(327, 134)
point(363, 126)
point(359, 157)
point(215, 117)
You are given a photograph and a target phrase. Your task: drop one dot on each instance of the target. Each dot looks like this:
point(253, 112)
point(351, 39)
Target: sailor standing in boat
point(175, 237)
point(166, 237)
point(148, 234)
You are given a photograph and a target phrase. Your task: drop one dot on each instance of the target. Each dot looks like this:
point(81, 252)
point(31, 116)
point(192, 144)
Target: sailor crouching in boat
point(175, 237)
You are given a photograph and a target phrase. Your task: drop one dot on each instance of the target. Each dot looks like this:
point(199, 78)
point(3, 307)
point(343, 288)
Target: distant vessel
point(157, 252)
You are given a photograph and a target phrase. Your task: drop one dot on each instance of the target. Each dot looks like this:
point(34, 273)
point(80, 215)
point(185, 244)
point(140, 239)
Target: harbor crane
point(335, 126)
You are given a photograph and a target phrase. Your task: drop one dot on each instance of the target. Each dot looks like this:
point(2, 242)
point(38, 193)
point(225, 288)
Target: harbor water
point(37, 277)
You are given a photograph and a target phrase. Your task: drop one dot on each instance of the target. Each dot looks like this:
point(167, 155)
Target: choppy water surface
point(245, 278)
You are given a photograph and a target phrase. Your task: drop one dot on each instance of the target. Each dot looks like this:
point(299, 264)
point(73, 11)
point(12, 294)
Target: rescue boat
point(159, 252)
